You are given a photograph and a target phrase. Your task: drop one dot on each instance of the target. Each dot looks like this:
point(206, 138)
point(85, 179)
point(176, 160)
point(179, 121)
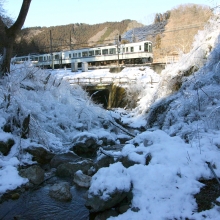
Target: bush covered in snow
point(53, 110)
point(194, 107)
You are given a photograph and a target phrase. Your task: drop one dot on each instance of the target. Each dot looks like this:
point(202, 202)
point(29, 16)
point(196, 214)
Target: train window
point(40, 59)
point(126, 49)
point(75, 54)
point(112, 51)
point(79, 54)
point(97, 52)
point(140, 47)
point(91, 53)
point(123, 49)
point(132, 49)
point(146, 47)
point(85, 54)
point(56, 57)
point(105, 51)
point(69, 55)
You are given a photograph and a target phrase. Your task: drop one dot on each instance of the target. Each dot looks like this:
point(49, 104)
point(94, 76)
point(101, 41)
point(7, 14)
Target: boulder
point(85, 144)
point(81, 179)
point(109, 186)
point(6, 145)
point(96, 204)
point(40, 154)
point(64, 158)
point(60, 192)
point(104, 161)
point(68, 169)
point(35, 174)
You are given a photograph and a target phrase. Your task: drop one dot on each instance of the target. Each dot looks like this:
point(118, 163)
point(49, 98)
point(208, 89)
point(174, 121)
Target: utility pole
point(51, 50)
point(118, 45)
point(70, 40)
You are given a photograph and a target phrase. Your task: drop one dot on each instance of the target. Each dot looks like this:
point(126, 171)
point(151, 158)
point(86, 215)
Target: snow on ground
point(164, 188)
point(145, 74)
point(9, 177)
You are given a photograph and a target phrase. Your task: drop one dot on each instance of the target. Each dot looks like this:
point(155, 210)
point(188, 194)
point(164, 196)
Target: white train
point(130, 53)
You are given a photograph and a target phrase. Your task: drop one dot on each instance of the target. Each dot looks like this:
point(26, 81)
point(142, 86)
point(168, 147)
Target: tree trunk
point(11, 34)
point(8, 55)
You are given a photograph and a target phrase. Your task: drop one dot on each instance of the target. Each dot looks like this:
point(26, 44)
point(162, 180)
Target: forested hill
point(172, 33)
point(37, 39)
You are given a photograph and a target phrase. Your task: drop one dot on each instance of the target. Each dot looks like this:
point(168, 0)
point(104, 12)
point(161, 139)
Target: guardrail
point(101, 80)
point(94, 81)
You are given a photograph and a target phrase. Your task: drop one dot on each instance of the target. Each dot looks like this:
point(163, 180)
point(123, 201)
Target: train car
point(130, 53)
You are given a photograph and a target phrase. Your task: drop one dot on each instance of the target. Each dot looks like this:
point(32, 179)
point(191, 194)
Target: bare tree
point(10, 34)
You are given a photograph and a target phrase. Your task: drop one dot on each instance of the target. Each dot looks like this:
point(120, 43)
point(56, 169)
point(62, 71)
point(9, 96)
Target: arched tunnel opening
point(100, 97)
point(110, 96)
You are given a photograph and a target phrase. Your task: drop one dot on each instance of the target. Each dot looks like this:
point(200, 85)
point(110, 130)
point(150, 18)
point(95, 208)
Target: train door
point(148, 47)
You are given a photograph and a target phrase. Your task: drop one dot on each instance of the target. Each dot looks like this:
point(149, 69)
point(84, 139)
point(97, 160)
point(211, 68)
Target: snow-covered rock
point(109, 186)
point(85, 144)
point(40, 154)
point(82, 179)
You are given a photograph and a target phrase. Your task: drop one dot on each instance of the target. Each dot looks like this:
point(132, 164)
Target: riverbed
point(38, 205)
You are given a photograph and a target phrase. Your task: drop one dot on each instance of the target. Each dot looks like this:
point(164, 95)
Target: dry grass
point(183, 25)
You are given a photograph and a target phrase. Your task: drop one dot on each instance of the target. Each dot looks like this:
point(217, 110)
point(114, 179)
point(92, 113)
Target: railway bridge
point(109, 91)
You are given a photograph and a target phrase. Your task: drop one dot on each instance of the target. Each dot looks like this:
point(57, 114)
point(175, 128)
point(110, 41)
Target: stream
point(38, 205)
point(34, 202)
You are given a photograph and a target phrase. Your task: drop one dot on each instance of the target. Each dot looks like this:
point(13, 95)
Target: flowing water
point(38, 205)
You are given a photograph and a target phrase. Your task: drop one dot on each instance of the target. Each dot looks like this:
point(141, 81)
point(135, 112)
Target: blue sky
point(62, 12)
